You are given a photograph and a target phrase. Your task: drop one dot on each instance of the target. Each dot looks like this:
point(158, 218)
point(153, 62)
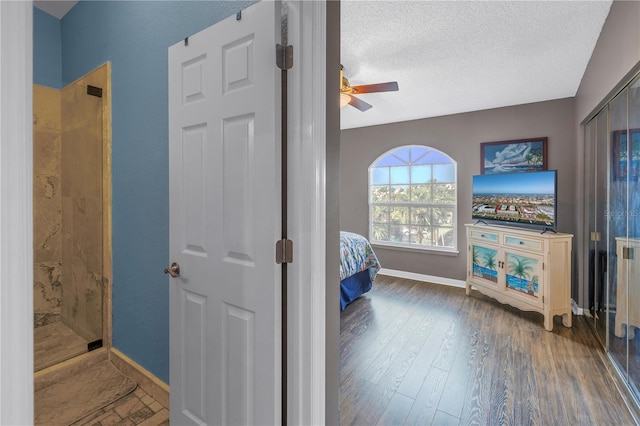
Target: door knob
point(173, 270)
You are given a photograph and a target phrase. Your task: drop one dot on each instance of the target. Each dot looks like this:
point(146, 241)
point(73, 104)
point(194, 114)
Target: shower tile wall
point(47, 203)
point(68, 198)
point(82, 245)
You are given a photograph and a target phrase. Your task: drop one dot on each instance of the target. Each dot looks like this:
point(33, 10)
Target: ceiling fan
point(347, 91)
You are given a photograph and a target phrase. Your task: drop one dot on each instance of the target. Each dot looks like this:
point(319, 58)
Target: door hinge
point(543, 266)
point(595, 236)
point(284, 251)
point(542, 299)
point(284, 56)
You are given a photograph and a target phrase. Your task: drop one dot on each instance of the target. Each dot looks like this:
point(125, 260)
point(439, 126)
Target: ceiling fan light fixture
point(347, 90)
point(344, 100)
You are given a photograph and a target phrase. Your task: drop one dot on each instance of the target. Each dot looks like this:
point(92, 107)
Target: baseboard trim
point(149, 383)
point(577, 310)
point(421, 277)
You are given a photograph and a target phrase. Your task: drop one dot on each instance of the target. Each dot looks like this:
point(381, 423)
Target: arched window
point(412, 199)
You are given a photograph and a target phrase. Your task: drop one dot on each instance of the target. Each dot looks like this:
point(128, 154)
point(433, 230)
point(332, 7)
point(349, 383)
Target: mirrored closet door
point(612, 229)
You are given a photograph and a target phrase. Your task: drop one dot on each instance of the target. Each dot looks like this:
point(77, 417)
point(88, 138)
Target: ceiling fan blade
point(360, 104)
point(390, 86)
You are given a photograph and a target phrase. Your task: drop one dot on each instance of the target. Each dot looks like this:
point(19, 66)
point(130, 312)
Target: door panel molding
point(224, 174)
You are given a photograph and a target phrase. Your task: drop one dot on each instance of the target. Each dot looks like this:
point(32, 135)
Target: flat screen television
point(519, 199)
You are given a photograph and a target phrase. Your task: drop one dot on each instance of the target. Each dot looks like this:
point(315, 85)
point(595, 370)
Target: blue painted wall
point(47, 50)
point(135, 36)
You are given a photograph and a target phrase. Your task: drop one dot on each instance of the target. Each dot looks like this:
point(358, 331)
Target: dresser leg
point(566, 319)
point(468, 289)
point(617, 330)
point(548, 322)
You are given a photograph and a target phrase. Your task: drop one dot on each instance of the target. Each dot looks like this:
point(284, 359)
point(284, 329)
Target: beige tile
point(110, 420)
point(157, 389)
point(90, 419)
point(141, 415)
point(81, 173)
point(125, 422)
point(136, 407)
point(71, 367)
point(131, 405)
point(156, 406)
point(104, 419)
point(75, 397)
point(46, 173)
point(47, 286)
point(53, 343)
point(149, 414)
point(159, 418)
point(162, 396)
point(146, 399)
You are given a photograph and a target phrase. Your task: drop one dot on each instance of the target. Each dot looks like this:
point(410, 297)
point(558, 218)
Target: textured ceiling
point(57, 8)
point(450, 57)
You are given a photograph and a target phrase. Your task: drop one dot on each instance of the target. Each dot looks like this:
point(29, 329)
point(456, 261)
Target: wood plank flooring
point(420, 354)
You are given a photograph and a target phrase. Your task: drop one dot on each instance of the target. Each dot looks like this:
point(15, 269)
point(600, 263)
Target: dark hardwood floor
point(420, 354)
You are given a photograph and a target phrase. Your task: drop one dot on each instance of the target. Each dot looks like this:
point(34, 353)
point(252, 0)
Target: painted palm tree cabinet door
point(483, 260)
point(224, 173)
point(522, 276)
point(523, 268)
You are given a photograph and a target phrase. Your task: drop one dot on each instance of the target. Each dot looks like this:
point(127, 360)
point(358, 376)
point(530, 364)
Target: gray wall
point(616, 53)
point(459, 136)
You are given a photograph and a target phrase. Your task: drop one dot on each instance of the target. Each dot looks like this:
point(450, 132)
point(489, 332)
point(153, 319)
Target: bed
point(358, 267)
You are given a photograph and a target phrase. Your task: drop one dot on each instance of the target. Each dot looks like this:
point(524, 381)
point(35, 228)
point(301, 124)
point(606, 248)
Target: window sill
point(431, 250)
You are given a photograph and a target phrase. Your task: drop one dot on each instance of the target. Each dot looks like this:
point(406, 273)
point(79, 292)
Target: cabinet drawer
point(486, 236)
point(523, 242)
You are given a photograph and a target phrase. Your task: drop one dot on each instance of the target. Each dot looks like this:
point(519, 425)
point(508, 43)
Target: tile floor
point(55, 342)
point(65, 397)
point(137, 408)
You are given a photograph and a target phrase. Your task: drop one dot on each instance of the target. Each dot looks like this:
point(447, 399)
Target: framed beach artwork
point(523, 155)
point(626, 157)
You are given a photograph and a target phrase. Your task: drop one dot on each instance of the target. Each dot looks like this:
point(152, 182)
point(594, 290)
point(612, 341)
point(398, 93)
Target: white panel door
point(224, 163)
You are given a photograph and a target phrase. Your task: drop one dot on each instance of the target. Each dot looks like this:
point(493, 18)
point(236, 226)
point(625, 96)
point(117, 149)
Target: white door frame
point(310, 371)
point(16, 212)
point(308, 206)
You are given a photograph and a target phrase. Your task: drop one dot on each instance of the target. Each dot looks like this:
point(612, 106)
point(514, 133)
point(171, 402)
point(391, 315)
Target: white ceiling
point(450, 57)
point(57, 8)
